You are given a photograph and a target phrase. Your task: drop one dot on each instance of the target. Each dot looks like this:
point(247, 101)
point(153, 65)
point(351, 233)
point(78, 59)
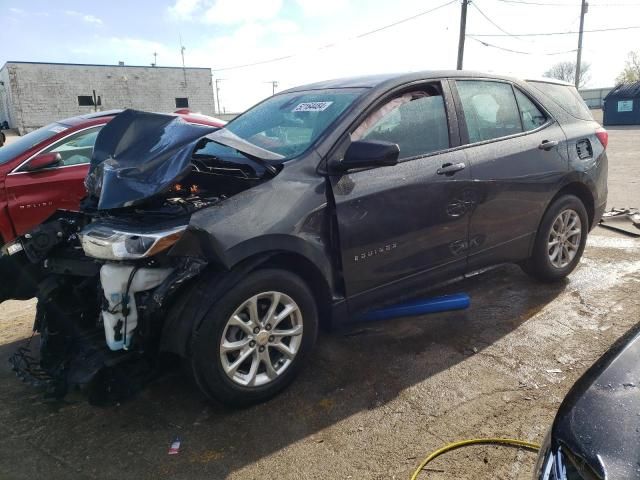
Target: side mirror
point(43, 160)
point(369, 153)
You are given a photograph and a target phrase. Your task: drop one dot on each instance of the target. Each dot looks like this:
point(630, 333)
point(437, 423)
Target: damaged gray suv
point(230, 248)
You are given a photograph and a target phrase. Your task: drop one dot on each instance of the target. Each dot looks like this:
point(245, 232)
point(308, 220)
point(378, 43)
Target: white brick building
point(34, 94)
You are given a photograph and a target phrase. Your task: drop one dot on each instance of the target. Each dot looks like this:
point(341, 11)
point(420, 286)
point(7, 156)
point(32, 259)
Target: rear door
point(517, 154)
point(403, 224)
point(33, 196)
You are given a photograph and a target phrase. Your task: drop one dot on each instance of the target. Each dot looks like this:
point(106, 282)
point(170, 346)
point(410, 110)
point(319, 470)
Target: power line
point(486, 44)
point(614, 5)
point(262, 62)
point(491, 21)
point(552, 33)
point(520, 2)
point(550, 4)
point(413, 17)
point(361, 35)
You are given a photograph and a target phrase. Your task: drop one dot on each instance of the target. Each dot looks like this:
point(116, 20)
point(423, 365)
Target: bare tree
point(631, 72)
point(567, 71)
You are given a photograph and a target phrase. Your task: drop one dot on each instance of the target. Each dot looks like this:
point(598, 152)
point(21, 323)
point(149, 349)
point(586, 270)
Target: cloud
point(232, 12)
point(184, 9)
point(130, 50)
point(123, 46)
point(19, 11)
point(226, 12)
point(283, 27)
point(92, 19)
point(315, 8)
point(85, 17)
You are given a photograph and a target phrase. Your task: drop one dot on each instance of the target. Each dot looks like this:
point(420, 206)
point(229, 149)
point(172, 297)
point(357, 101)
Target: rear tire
point(252, 321)
point(560, 240)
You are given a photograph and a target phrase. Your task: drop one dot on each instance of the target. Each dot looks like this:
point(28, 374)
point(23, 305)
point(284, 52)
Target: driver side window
point(416, 121)
point(76, 149)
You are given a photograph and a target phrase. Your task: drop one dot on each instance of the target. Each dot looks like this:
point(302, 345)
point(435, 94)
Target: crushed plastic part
point(624, 220)
point(27, 368)
point(174, 449)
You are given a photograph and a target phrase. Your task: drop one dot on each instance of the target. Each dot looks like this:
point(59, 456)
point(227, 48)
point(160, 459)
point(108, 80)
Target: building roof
point(97, 65)
point(625, 90)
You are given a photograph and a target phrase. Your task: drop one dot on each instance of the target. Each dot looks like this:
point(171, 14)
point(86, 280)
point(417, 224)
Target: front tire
point(254, 340)
point(560, 240)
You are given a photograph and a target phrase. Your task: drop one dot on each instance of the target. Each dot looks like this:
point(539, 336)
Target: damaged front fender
point(189, 308)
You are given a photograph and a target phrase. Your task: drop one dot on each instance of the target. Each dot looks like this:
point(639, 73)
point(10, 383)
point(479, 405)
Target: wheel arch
point(311, 275)
point(578, 189)
point(194, 300)
point(584, 193)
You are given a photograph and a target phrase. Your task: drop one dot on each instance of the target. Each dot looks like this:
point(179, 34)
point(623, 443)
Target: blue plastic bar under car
point(457, 301)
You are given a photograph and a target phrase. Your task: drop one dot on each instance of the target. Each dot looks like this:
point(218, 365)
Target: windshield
point(21, 145)
point(286, 125)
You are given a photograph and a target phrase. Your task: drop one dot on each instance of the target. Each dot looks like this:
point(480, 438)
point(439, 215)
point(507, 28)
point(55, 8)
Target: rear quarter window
point(566, 96)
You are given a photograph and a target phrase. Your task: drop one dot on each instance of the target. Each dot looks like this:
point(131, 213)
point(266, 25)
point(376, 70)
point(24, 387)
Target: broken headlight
point(107, 243)
point(554, 464)
point(544, 463)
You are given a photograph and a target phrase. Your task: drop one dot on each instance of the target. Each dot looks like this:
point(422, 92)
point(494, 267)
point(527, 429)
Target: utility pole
point(217, 91)
point(184, 71)
point(583, 10)
point(274, 85)
point(463, 30)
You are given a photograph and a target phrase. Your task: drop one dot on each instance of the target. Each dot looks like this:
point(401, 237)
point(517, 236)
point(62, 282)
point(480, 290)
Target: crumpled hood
point(598, 420)
point(139, 155)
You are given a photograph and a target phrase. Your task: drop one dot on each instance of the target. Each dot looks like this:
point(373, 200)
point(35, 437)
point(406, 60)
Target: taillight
point(603, 136)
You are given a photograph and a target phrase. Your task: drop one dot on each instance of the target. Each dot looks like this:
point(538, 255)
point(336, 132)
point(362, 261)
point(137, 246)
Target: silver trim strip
point(48, 169)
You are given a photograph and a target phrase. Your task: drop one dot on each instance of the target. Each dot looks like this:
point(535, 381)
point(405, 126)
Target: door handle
point(547, 145)
point(450, 168)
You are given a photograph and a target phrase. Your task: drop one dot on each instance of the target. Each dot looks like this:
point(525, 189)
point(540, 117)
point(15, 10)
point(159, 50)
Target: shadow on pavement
point(352, 371)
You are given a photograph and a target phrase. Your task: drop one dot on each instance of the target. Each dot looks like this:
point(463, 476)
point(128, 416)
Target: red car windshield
point(12, 150)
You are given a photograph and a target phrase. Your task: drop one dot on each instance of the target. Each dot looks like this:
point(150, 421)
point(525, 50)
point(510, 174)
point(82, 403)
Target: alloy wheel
point(564, 238)
point(261, 339)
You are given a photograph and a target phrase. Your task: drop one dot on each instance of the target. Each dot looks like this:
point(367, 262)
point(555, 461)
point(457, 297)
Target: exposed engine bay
point(103, 276)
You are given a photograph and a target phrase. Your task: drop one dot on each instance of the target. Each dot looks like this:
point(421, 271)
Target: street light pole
point(274, 85)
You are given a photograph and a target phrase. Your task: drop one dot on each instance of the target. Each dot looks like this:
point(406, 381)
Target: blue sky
point(223, 33)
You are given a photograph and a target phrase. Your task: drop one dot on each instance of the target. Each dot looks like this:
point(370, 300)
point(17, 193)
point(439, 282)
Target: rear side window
point(532, 116)
point(567, 97)
point(416, 121)
point(490, 109)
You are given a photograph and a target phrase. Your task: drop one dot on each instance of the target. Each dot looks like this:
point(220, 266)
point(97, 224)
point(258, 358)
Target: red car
point(44, 170)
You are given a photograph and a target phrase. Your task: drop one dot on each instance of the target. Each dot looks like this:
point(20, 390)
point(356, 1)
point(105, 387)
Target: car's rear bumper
point(599, 210)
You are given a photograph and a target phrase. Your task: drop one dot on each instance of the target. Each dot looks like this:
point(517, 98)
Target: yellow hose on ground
point(511, 442)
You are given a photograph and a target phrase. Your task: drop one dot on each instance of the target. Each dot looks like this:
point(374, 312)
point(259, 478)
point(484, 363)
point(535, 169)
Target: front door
point(404, 225)
point(33, 196)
